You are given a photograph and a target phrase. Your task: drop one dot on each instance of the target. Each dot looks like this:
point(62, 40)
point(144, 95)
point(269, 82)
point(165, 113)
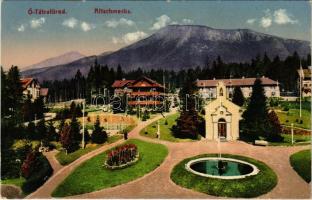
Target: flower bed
point(297, 131)
point(122, 157)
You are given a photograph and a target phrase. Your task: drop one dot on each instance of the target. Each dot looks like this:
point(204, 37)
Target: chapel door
point(222, 128)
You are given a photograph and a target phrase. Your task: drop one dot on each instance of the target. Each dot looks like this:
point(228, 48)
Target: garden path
point(158, 184)
point(50, 155)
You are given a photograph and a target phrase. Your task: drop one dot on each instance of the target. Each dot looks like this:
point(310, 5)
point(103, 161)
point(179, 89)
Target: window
point(221, 92)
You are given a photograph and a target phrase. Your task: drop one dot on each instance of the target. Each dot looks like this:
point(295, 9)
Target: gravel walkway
point(158, 184)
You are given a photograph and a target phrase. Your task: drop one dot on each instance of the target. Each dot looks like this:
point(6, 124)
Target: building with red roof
point(31, 87)
point(140, 92)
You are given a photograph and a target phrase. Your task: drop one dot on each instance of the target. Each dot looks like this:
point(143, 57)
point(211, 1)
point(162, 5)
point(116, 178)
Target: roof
point(44, 92)
point(144, 103)
point(26, 81)
point(121, 83)
point(235, 82)
point(306, 73)
point(136, 83)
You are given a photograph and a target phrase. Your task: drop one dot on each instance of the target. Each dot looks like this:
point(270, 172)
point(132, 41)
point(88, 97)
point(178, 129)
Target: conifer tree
point(189, 124)
point(75, 132)
point(238, 97)
point(256, 115)
point(41, 130)
point(15, 95)
point(99, 136)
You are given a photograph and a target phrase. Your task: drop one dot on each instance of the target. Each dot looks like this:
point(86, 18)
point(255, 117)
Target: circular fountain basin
point(231, 168)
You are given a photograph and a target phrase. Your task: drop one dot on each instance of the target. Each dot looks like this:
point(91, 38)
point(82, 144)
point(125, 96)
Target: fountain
point(221, 167)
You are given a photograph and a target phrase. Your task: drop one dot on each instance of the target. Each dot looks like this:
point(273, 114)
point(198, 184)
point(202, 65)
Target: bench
point(261, 142)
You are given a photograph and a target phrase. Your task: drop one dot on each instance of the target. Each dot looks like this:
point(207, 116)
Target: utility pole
point(164, 85)
point(300, 86)
point(292, 133)
point(83, 124)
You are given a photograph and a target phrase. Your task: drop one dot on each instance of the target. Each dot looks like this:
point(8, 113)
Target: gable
point(221, 110)
point(142, 83)
point(213, 106)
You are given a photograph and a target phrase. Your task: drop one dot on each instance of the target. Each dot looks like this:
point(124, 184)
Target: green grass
point(288, 117)
point(92, 176)
point(301, 162)
point(298, 140)
point(165, 130)
point(15, 181)
point(64, 159)
point(306, 105)
point(248, 187)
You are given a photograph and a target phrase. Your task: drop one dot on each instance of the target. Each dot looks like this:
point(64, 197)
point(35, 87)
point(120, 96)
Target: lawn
point(92, 176)
point(292, 116)
point(301, 162)
point(298, 140)
point(248, 187)
point(165, 130)
point(64, 159)
point(15, 181)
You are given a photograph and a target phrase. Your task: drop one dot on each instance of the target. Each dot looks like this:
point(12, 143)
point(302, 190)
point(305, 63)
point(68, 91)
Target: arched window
point(221, 120)
point(221, 92)
point(222, 128)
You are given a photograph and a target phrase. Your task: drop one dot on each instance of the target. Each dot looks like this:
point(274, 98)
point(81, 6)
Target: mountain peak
point(184, 32)
point(57, 60)
point(177, 47)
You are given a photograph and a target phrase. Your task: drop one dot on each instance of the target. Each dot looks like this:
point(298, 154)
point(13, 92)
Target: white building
point(222, 116)
point(32, 88)
point(207, 88)
point(305, 81)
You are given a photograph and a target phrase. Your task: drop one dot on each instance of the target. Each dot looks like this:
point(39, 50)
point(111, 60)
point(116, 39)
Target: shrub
point(121, 155)
point(189, 125)
point(275, 128)
point(145, 115)
point(67, 139)
point(274, 102)
point(43, 171)
point(51, 132)
point(41, 130)
point(86, 136)
point(29, 165)
point(285, 108)
point(10, 165)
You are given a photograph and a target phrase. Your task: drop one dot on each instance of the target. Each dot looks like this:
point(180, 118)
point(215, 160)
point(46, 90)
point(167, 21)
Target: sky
point(29, 38)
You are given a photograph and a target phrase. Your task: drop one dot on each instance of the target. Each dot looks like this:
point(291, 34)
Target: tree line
point(100, 77)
